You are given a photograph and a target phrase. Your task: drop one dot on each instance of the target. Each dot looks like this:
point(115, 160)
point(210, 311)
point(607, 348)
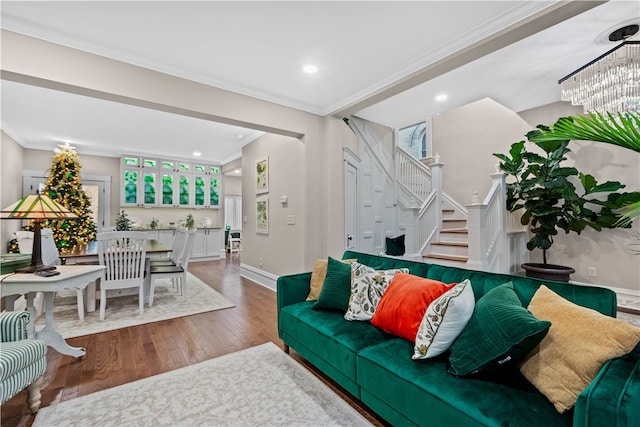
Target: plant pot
point(559, 273)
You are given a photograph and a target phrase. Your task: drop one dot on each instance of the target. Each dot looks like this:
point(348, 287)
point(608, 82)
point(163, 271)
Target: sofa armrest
point(13, 325)
point(293, 288)
point(613, 397)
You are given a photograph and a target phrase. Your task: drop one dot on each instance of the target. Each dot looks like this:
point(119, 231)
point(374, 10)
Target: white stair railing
point(414, 176)
point(378, 137)
point(487, 226)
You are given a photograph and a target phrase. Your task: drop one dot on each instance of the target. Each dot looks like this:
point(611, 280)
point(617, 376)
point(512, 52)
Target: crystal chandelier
point(609, 83)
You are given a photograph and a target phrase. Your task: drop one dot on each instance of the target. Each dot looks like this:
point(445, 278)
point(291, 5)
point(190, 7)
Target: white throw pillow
point(367, 287)
point(444, 320)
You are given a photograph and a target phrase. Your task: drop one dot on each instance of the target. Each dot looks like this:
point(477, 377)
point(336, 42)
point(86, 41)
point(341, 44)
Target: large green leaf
point(621, 129)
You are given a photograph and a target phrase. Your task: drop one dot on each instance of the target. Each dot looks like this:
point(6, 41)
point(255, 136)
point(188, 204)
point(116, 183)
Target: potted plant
point(554, 197)
point(123, 223)
point(153, 223)
point(190, 222)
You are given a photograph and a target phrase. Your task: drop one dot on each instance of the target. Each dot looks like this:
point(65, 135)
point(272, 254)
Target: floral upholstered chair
point(22, 360)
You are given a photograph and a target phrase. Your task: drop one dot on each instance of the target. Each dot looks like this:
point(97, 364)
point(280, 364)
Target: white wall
point(608, 250)
point(278, 252)
point(466, 138)
point(11, 163)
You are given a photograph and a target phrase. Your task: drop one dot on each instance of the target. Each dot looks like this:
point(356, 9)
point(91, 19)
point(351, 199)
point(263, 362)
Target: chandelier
point(609, 83)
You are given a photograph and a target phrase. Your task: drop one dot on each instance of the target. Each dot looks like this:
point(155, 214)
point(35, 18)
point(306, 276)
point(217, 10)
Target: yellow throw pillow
point(580, 341)
point(318, 275)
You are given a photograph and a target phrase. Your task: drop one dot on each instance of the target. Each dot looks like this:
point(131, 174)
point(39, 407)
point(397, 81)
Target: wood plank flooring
point(121, 356)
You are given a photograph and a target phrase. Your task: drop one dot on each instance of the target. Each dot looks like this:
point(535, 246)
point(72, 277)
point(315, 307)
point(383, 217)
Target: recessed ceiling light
point(236, 171)
point(197, 153)
point(441, 97)
point(310, 69)
point(239, 135)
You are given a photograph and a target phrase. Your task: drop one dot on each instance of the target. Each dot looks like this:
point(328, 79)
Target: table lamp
point(38, 208)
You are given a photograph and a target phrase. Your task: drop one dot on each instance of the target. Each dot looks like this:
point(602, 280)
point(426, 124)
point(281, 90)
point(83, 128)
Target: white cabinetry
point(168, 183)
point(206, 244)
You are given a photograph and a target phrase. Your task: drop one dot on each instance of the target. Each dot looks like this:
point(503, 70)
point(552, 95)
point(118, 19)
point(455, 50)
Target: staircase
point(438, 229)
point(453, 247)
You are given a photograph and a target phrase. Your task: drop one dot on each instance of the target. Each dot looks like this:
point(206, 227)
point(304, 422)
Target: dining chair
point(25, 241)
point(177, 247)
point(124, 254)
point(50, 256)
point(177, 273)
point(235, 242)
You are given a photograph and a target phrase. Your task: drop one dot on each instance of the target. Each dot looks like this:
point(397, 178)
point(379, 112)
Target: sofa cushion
point(318, 275)
point(500, 333)
point(443, 321)
point(387, 263)
point(404, 303)
point(579, 343)
point(367, 287)
point(336, 287)
point(426, 394)
point(328, 336)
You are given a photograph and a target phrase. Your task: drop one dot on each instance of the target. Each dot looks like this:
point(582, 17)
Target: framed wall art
point(262, 175)
point(262, 215)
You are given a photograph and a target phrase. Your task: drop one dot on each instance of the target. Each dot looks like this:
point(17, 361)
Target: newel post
point(436, 186)
point(477, 242)
point(500, 178)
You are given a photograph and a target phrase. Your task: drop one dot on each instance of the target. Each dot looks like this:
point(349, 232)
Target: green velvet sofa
point(376, 367)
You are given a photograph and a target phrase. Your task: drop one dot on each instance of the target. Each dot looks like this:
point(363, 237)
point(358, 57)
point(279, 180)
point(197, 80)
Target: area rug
point(123, 311)
point(259, 386)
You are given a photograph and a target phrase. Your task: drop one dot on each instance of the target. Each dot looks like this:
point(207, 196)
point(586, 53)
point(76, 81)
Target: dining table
point(88, 254)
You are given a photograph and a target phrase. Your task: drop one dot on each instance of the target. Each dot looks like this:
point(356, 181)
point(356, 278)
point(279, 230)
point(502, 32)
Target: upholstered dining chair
point(22, 360)
point(177, 273)
point(124, 255)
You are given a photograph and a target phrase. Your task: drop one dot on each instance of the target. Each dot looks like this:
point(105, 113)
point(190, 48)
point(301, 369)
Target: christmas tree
point(63, 186)
point(123, 223)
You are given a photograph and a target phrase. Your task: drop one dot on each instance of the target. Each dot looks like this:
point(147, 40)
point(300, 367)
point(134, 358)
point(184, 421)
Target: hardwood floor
point(121, 356)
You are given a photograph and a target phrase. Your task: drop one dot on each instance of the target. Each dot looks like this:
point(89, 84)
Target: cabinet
point(139, 182)
point(168, 183)
point(206, 244)
point(206, 184)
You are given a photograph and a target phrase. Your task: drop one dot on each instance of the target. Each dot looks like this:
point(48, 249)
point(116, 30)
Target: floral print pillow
point(444, 320)
point(367, 287)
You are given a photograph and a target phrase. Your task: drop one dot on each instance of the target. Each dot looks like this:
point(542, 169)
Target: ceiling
point(259, 48)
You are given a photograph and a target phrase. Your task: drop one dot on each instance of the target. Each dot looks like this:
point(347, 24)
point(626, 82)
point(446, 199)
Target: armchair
point(22, 360)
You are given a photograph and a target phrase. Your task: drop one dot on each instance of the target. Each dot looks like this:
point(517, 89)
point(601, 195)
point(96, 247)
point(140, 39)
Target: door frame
point(351, 161)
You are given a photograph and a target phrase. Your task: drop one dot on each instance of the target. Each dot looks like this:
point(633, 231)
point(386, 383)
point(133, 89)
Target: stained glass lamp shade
point(38, 208)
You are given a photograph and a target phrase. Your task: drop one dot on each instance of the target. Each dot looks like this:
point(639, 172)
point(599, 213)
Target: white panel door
point(351, 206)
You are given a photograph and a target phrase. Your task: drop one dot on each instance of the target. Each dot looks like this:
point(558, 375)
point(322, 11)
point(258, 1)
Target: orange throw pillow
point(404, 303)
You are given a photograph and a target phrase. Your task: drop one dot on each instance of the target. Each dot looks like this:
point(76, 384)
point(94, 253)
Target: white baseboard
point(627, 298)
point(261, 277)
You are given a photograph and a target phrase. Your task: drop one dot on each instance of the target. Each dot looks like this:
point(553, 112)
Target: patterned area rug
point(124, 311)
point(259, 386)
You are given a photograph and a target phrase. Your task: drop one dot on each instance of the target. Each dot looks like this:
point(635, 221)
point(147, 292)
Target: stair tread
point(462, 244)
point(454, 220)
point(455, 230)
point(447, 257)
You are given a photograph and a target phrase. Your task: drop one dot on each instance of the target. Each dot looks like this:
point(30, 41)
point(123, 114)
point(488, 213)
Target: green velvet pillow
point(336, 288)
point(500, 334)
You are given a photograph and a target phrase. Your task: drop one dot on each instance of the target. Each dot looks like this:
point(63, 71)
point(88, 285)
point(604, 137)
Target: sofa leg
point(286, 349)
point(33, 399)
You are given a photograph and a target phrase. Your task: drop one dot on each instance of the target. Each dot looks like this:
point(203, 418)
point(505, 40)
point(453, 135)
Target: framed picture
point(262, 175)
point(262, 216)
